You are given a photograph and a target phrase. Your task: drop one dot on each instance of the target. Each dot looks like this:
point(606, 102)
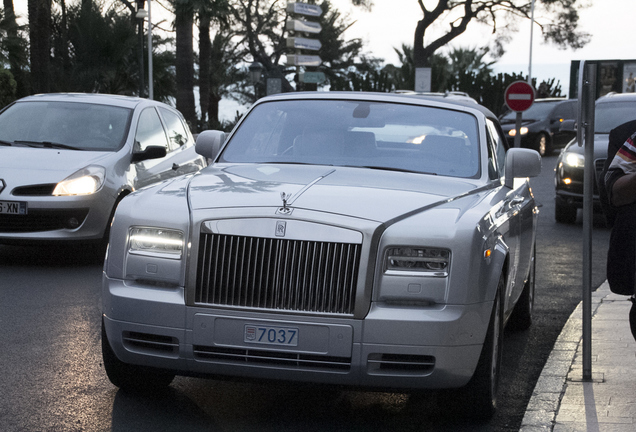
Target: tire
point(478, 399)
point(132, 378)
point(564, 213)
point(542, 145)
point(521, 318)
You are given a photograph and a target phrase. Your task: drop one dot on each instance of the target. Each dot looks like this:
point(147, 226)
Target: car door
point(563, 111)
point(519, 208)
point(150, 132)
point(182, 154)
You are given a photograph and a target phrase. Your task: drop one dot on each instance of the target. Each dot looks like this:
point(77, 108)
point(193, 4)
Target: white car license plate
point(13, 207)
point(282, 336)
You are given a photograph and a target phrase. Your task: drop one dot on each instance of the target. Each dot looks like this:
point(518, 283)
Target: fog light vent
point(400, 364)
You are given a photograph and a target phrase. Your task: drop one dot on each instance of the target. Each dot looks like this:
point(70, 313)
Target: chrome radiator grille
point(281, 274)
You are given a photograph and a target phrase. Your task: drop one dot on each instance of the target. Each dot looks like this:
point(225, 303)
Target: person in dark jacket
point(617, 192)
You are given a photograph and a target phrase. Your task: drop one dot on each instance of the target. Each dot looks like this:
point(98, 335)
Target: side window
point(500, 147)
point(150, 131)
point(562, 111)
point(177, 133)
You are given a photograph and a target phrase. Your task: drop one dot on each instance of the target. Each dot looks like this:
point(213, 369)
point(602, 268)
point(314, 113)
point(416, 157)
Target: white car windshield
point(71, 125)
point(376, 135)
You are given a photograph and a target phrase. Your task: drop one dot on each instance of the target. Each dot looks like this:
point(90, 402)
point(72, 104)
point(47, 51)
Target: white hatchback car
point(370, 240)
point(66, 160)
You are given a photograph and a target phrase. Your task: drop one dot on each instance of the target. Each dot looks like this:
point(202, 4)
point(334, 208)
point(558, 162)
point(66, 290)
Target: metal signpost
point(299, 27)
point(519, 97)
point(585, 136)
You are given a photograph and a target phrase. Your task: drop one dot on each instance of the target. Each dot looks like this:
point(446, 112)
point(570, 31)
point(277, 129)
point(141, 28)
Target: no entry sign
point(519, 96)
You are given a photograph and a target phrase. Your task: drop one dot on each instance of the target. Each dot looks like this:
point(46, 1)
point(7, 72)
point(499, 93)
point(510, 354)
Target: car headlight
point(522, 131)
point(158, 242)
point(415, 259)
point(574, 160)
point(84, 182)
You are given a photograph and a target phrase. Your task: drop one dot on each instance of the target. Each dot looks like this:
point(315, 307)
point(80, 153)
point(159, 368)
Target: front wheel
point(129, 377)
point(564, 213)
point(521, 318)
point(478, 399)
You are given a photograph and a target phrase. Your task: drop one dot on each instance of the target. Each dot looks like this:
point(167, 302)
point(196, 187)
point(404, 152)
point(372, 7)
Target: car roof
point(465, 104)
point(617, 97)
point(97, 98)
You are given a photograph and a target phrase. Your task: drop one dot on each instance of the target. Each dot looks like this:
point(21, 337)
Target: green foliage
point(8, 87)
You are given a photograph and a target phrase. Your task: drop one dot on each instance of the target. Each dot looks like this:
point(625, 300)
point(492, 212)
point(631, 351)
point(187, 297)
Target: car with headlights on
point(369, 240)
point(66, 160)
point(610, 111)
point(541, 124)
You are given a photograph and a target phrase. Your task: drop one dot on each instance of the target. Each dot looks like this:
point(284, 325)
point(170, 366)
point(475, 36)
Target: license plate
point(13, 207)
point(270, 335)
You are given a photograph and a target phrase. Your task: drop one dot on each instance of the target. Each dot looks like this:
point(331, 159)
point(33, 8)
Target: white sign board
point(304, 9)
point(423, 79)
point(303, 60)
point(303, 43)
point(303, 26)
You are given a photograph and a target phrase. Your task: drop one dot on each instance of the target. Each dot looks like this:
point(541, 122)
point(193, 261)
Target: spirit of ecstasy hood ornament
point(285, 197)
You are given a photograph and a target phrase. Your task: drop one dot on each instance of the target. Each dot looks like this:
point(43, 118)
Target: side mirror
point(209, 143)
point(568, 126)
point(521, 162)
point(151, 152)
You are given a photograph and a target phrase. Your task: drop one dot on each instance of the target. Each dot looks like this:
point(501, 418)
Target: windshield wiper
point(6, 143)
point(48, 144)
point(382, 168)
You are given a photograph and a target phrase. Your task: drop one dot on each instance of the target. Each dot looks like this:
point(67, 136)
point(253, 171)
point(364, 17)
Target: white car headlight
point(416, 259)
point(159, 242)
point(84, 182)
point(522, 131)
point(574, 160)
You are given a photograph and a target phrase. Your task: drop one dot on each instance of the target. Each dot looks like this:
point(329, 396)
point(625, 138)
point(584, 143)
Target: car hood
point(600, 146)
point(25, 166)
point(357, 192)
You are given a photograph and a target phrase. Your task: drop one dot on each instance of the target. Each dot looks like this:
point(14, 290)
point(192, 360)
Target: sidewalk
point(561, 402)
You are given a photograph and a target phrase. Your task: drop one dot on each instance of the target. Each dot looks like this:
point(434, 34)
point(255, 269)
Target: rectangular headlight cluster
point(159, 242)
point(415, 259)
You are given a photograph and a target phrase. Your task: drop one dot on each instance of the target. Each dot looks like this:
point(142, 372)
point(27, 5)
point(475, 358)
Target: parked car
point(66, 160)
point(610, 111)
point(364, 239)
point(541, 124)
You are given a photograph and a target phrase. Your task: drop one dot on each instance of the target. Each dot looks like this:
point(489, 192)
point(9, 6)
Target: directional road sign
point(303, 26)
point(303, 43)
point(303, 60)
point(519, 96)
point(304, 9)
point(312, 77)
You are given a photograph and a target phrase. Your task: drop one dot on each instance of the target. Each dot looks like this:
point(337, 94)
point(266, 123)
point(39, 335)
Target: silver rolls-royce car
point(66, 160)
point(372, 240)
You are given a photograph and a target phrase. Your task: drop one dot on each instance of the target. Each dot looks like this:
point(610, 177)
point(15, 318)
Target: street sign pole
point(585, 135)
point(519, 96)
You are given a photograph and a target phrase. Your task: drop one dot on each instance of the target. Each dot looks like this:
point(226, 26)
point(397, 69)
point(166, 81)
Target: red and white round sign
point(519, 96)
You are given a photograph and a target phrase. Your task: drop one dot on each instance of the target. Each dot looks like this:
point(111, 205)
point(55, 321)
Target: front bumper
point(58, 218)
point(392, 347)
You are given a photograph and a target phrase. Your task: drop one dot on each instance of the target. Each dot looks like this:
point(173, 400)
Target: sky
point(391, 23)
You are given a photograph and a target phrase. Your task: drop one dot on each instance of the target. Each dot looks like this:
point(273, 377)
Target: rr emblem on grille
point(281, 227)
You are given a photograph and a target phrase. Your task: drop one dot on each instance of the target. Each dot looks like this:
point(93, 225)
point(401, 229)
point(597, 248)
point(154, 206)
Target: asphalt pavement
point(562, 400)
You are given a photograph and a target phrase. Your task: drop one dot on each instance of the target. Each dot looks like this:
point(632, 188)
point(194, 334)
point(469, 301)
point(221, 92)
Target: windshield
point(76, 125)
point(538, 111)
point(611, 114)
point(359, 134)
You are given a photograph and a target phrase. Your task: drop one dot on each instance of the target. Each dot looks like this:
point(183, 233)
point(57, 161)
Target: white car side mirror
point(521, 162)
point(209, 143)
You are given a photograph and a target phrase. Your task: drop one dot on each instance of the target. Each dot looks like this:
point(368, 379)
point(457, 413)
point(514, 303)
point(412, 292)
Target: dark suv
point(611, 110)
point(541, 124)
